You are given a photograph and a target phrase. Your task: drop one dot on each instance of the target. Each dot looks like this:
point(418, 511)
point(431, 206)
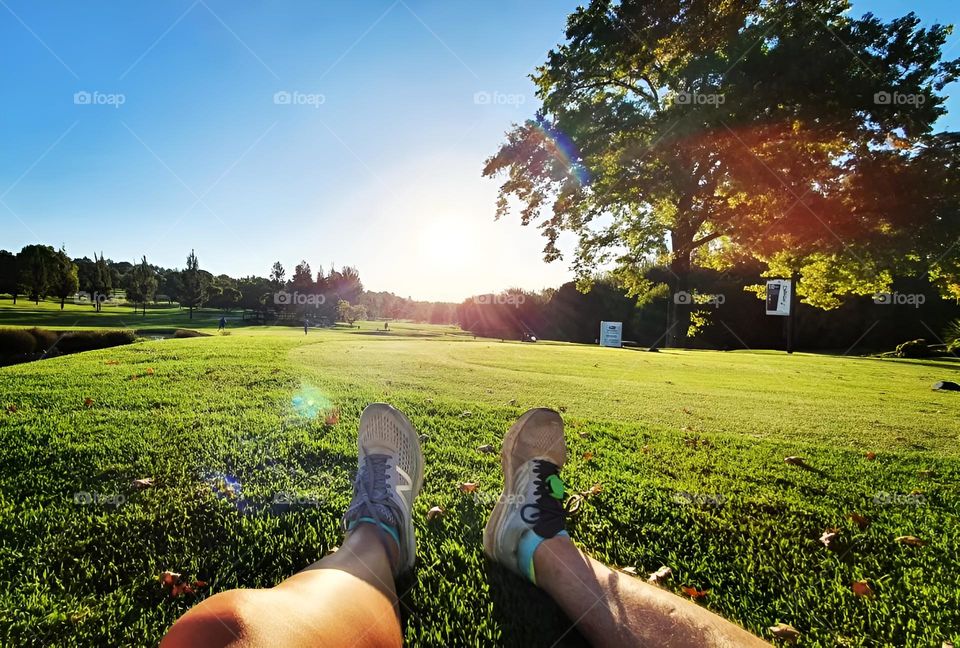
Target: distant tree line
point(726, 313)
point(42, 272)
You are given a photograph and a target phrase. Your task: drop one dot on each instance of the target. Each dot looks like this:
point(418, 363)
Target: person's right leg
point(526, 533)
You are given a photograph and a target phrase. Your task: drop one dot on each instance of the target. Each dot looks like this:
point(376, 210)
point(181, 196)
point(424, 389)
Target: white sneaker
point(532, 500)
point(389, 477)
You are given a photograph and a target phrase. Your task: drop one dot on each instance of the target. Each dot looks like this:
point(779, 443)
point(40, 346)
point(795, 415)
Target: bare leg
point(613, 609)
point(346, 599)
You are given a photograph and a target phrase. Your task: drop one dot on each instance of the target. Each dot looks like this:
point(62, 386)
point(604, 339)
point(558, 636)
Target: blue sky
point(370, 155)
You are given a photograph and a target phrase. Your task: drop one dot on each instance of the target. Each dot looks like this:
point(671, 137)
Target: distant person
point(349, 597)
point(306, 323)
point(386, 326)
point(223, 323)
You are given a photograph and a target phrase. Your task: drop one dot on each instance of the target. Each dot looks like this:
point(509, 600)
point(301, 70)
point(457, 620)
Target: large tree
point(103, 281)
point(36, 269)
point(194, 284)
point(706, 131)
point(64, 280)
point(9, 274)
point(141, 284)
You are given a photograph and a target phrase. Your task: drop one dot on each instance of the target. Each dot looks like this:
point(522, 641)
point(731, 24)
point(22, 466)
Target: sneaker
point(530, 510)
point(389, 477)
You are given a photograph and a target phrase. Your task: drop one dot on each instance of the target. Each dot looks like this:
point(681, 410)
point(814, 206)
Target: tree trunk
point(681, 299)
point(62, 299)
point(191, 312)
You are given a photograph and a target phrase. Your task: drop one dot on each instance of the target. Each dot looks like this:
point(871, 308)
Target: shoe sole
point(509, 467)
point(404, 424)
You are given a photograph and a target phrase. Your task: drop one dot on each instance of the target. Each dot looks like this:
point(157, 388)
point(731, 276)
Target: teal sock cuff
point(386, 527)
point(528, 544)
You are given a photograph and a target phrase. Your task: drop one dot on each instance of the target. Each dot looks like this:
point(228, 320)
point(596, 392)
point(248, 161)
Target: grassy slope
point(83, 574)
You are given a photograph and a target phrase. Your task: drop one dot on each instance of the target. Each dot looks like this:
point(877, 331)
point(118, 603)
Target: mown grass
point(688, 447)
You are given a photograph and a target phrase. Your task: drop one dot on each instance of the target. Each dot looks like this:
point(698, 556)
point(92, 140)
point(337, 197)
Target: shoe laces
point(371, 494)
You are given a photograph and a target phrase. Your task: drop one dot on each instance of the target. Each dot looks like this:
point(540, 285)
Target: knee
point(221, 620)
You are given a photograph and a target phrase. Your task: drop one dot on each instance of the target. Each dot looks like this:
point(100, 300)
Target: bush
point(187, 333)
point(14, 342)
point(913, 349)
point(76, 341)
point(952, 336)
point(44, 339)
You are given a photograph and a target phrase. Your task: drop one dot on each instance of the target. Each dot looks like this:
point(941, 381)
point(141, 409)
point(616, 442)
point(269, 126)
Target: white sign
point(778, 297)
point(611, 334)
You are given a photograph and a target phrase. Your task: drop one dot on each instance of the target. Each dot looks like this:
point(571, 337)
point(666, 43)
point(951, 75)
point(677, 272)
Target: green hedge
point(22, 345)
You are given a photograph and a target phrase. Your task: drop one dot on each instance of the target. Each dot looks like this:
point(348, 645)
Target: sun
point(442, 244)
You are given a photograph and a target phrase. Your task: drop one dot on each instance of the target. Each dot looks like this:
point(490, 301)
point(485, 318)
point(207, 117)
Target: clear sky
point(370, 155)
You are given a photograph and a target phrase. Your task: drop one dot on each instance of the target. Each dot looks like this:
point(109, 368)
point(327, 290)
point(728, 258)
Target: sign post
point(781, 301)
point(611, 334)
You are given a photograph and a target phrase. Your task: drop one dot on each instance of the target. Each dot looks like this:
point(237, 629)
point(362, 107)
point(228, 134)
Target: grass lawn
point(688, 446)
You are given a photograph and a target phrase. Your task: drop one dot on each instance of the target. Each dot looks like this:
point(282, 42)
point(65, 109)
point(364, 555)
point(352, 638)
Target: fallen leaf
point(926, 474)
point(860, 520)
point(334, 549)
point(199, 583)
point(180, 589)
point(946, 644)
point(11, 408)
point(111, 362)
point(145, 482)
point(168, 578)
point(912, 541)
point(862, 588)
point(593, 490)
point(486, 449)
point(132, 377)
point(795, 461)
point(467, 487)
point(333, 417)
point(149, 371)
point(587, 456)
point(784, 631)
point(645, 449)
point(88, 402)
point(693, 592)
point(466, 414)
point(424, 438)
point(871, 456)
point(434, 513)
point(660, 575)
point(829, 537)
point(512, 401)
point(629, 570)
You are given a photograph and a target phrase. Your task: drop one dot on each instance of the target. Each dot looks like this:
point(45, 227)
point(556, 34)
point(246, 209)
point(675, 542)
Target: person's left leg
point(348, 598)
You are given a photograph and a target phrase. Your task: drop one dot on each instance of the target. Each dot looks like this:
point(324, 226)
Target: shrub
point(952, 336)
point(913, 349)
point(44, 339)
point(187, 333)
point(14, 342)
point(76, 341)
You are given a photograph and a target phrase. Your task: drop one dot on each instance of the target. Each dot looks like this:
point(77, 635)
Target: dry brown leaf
point(660, 575)
point(629, 570)
point(145, 482)
point(871, 456)
point(645, 449)
point(434, 513)
point(587, 456)
point(88, 402)
point(149, 371)
point(593, 490)
point(486, 449)
point(830, 537)
point(693, 592)
point(111, 362)
point(795, 461)
point(333, 417)
point(168, 578)
point(912, 541)
point(862, 588)
point(784, 631)
point(861, 521)
point(11, 408)
point(468, 487)
point(199, 583)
